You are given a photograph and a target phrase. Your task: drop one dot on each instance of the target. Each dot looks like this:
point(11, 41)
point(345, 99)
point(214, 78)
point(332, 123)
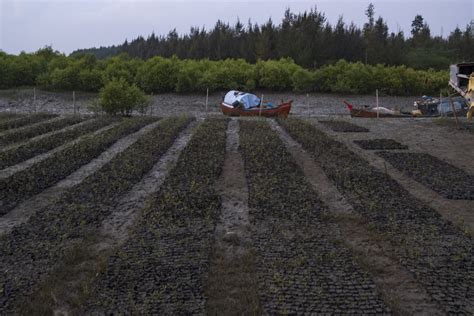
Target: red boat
point(281, 110)
point(367, 112)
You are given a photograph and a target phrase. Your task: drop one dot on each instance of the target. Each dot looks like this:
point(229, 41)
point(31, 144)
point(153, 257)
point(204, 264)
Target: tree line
point(52, 70)
point(310, 40)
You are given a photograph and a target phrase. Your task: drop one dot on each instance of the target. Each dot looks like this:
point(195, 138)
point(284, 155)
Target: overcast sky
point(26, 25)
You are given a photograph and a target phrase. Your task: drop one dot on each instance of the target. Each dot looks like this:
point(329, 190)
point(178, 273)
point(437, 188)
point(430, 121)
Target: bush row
point(38, 129)
point(160, 75)
point(25, 120)
point(5, 116)
point(33, 148)
point(296, 250)
point(162, 266)
point(439, 254)
point(442, 177)
point(34, 250)
point(26, 183)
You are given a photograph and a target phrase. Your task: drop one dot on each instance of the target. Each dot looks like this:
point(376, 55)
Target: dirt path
point(166, 104)
point(232, 287)
point(114, 230)
point(23, 211)
point(423, 139)
point(398, 287)
point(7, 172)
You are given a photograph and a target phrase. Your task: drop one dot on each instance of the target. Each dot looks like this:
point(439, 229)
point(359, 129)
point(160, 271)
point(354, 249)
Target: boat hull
point(366, 113)
point(280, 111)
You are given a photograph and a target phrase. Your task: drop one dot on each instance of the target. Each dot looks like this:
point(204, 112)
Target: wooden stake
point(440, 101)
point(261, 104)
point(377, 101)
point(74, 101)
point(151, 105)
point(307, 104)
point(207, 97)
point(34, 98)
point(454, 110)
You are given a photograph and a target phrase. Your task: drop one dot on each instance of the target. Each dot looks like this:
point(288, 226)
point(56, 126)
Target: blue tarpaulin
point(445, 105)
point(247, 100)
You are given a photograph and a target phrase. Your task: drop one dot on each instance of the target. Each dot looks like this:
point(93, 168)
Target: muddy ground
point(232, 258)
point(313, 104)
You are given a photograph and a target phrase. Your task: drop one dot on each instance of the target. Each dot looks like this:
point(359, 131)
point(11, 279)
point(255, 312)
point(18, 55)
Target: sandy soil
point(313, 104)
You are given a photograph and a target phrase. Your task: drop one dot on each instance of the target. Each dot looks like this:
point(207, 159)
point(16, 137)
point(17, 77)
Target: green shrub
point(65, 79)
point(158, 74)
point(90, 80)
point(276, 75)
point(189, 75)
point(303, 81)
point(52, 70)
point(118, 96)
point(121, 67)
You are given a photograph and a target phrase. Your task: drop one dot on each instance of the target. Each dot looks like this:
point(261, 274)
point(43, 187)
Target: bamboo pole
point(34, 98)
point(454, 110)
point(74, 101)
point(207, 97)
point(307, 104)
point(377, 101)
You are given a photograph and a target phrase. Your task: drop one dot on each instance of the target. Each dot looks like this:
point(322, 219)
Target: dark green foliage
point(30, 149)
point(31, 251)
point(311, 41)
point(344, 77)
point(266, 56)
point(44, 127)
point(276, 75)
point(303, 80)
point(120, 67)
point(160, 75)
point(118, 96)
point(306, 38)
point(24, 184)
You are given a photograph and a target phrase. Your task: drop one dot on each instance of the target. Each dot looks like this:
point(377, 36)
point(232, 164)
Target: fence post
point(307, 104)
point(454, 110)
point(377, 101)
point(74, 101)
point(207, 97)
point(34, 98)
point(440, 101)
point(151, 104)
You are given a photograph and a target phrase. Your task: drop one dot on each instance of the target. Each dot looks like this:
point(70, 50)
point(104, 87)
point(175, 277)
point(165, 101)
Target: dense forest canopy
point(303, 53)
point(310, 40)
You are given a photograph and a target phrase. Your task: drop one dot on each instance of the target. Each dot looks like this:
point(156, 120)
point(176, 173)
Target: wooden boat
point(366, 112)
point(282, 110)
